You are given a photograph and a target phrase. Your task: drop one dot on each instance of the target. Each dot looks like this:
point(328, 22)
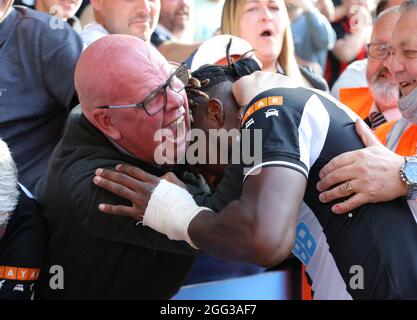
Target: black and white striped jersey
point(303, 129)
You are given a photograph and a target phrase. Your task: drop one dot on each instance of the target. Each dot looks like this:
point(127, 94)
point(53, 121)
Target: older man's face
point(175, 14)
point(142, 134)
point(4, 6)
point(381, 81)
point(122, 70)
point(68, 7)
point(403, 60)
point(133, 17)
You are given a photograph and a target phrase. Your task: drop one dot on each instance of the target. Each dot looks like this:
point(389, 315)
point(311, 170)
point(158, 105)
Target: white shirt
point(353, 77)
point(92, 32)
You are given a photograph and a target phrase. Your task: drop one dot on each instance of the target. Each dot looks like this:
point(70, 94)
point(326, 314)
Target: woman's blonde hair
point(233, 11)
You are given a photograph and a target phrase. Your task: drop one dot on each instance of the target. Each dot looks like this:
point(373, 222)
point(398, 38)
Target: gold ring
point(349, 188)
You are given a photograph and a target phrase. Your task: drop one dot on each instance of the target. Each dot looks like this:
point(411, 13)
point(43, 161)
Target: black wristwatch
point(408, 174)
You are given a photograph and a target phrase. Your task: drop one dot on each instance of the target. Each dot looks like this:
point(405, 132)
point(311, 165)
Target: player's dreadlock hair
point(408, 5)
point(204, 81)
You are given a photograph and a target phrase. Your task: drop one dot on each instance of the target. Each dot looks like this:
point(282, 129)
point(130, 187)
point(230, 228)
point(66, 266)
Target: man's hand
point(132, 184)
point(248, 87)
point(373, 174)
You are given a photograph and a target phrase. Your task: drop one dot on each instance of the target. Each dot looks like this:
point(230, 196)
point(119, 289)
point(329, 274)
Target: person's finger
point(336, 176)
point(117, 189)
point(171, 177)
point(120, 178)
point(118, 210)
point(136, 173)
point(342, 190)
point(338, 162)
point(365, 133)
point(350, 204)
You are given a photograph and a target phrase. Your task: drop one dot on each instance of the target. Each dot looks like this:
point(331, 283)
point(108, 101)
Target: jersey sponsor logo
point(19, 287)
point(248, 113)
point(33, 274)
point(10, 273)
point(272, 101)
point(260, 104)
point(305, 244)
point(21, 274)
point(275, 101)
point(271, 113)
point(249, 123)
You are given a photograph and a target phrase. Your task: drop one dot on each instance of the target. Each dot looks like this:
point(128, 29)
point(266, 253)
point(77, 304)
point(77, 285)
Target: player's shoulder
point(290, 95)
point(295, 97)
point(291, 100)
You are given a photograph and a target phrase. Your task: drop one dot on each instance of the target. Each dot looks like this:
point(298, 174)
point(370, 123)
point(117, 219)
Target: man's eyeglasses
point(383, 51)
point(157, 98)
point(379, 51)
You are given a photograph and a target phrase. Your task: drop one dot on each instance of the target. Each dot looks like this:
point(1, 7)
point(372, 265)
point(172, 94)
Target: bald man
point(122, 106)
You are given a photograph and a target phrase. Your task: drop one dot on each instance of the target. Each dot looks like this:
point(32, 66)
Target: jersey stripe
point(278, 164)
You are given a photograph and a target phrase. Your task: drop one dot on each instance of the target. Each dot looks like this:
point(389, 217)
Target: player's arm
point(258, 228)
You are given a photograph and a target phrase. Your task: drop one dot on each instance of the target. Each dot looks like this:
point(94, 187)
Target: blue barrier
point(271, 285)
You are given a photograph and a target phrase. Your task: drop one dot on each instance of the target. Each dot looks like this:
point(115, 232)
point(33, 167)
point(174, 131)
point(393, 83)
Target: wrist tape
point(170, 211)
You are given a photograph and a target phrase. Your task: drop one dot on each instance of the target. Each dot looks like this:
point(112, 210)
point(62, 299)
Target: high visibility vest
point(359, 100)
point(306, 290)
point(399, 136)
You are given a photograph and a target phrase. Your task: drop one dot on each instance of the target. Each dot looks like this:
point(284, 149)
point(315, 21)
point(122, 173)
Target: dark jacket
point(103, 256)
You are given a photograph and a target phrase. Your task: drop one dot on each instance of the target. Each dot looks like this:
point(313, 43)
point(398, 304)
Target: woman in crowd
point(266, 26)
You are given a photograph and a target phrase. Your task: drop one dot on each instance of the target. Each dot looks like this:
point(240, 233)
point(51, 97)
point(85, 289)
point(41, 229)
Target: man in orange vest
point(400, 136)
point(377, 103)
point(375, 173)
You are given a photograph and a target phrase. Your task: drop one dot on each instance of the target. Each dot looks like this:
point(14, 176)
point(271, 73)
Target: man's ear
point(215, 111)
point(105, 124)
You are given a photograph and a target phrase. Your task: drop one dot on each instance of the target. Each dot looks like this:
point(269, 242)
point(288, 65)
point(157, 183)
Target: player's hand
point(248, 87)
point(373, 173)
point(133, 184)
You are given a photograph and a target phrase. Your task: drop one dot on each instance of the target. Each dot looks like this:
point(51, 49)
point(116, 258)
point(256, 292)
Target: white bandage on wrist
point(170, 211)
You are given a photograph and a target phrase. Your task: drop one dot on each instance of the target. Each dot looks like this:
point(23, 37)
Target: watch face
point(410, 172)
